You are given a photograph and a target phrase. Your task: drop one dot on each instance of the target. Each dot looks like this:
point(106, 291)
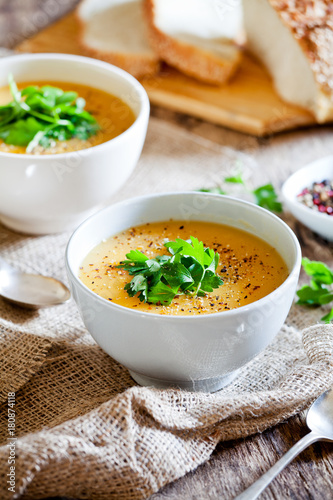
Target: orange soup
point(248, 266)
point(113, 115)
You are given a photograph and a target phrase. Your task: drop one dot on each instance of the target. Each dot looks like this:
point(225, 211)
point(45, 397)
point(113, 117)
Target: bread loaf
point(294, 39)
point(196, 36)
point(115, 31)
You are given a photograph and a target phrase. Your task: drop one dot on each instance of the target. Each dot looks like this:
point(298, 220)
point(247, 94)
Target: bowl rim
point(291, 200)
point(170, 317)
point(141, 92)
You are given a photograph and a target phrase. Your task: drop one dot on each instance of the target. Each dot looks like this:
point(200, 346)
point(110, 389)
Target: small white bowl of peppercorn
point(308, 195)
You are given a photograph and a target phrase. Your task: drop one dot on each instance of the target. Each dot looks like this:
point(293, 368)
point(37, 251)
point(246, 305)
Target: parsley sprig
point(189, 269)
point(40, 115)
point(265, 196)
point(319, 291)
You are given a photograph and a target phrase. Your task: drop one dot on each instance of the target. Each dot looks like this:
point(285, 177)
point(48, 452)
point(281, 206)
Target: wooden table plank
point(235, 465)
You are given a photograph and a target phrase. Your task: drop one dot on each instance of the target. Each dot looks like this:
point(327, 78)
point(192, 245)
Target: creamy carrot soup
point(112, 114)
point(248, 266)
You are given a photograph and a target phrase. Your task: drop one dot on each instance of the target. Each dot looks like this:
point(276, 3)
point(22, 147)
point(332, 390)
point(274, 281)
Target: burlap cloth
point(84, 428)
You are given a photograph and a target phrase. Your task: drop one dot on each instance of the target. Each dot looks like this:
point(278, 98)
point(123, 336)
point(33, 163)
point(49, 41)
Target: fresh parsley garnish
point(40, 115)
point(214, 190)
point(265, 196)
point(189, 269)
point(319, 291)
point(235, 179)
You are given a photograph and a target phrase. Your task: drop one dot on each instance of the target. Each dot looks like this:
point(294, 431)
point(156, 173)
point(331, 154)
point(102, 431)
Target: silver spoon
point(30, 290)
point(320, 420)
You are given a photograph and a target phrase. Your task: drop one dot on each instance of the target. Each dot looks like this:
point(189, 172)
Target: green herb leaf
point(136, 256)
point(235, 179)
point(189, 269)
point(308, 296)
point(213, 190)
point(191, 248)
point(197, 271)
point(32, 89)
point(38, 115)
point(39, 102)
point(266, 197)
point(319, 292)
point(161, 293)
point(138, 284)
point(67, 98)
point(21, 132)
point(176, 275)
point(328, 317)
point(210, 281)
point(326, 298)
point(50, 91)
point(320, 273)
point(211, 260)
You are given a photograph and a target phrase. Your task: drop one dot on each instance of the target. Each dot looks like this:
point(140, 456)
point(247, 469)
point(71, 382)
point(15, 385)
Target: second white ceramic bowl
point(52, 193)
point(198, 353)
point(317, 171)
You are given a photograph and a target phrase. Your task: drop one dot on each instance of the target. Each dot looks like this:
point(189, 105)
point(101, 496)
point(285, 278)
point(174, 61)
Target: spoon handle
point(256, 488)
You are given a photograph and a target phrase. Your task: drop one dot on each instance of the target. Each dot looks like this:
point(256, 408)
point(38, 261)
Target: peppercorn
point(319, 196)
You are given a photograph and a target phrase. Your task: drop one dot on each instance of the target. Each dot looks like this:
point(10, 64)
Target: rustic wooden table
point(311, 475)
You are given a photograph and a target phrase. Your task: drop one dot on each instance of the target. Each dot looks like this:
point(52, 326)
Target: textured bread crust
point(190, 60)
point(311, 22)
point(136, 64)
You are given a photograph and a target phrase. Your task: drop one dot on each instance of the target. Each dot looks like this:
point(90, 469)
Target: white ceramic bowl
point(198, 353)
point(316, 171)
point(52, 193)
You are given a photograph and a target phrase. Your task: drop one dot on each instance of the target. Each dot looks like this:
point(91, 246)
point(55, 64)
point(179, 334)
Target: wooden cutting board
point(248, 103)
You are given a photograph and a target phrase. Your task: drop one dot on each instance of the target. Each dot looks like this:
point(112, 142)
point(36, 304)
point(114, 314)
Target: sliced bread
point(196, 36)
point(115, 31)
point(294, 39)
